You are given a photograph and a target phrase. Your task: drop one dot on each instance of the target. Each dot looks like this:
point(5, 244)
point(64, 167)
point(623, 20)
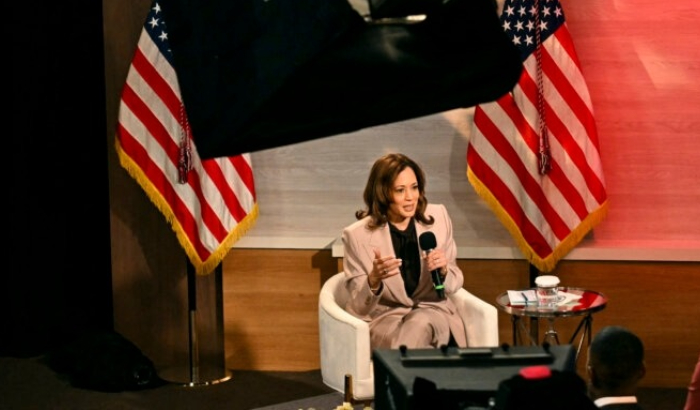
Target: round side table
point(575, 302)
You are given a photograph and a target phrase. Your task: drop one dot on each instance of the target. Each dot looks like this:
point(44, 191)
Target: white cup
point(547, 291)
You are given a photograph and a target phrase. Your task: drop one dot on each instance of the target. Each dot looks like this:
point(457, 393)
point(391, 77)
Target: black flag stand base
point(207, 363)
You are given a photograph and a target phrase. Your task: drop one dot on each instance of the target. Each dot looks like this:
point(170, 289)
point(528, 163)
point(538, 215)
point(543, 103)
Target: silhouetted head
point(615, 362)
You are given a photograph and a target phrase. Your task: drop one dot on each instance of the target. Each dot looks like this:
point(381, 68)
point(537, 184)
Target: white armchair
point(346, 356)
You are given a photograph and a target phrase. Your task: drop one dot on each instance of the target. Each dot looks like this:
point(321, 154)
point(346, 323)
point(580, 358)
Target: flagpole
point(213, 376)
point(192, 324)
point(214, 370)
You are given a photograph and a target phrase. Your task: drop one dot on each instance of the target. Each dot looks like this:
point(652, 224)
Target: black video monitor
point(456, 378)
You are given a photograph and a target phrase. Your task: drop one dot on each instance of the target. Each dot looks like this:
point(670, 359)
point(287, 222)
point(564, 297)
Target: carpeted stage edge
point(330, 401)
point(27, 383)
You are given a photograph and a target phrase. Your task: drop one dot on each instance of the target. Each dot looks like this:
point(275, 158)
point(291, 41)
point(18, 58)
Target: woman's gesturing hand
point(383, 267)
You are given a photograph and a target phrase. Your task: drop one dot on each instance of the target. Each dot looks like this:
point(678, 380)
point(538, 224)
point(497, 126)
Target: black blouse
point(406, 248)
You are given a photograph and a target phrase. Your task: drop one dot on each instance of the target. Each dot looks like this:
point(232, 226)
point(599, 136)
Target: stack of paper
point(529, 297)
point(522, 297)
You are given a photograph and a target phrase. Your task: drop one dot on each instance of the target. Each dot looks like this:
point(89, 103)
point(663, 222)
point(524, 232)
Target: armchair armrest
point(345, 345)
point(480, 319)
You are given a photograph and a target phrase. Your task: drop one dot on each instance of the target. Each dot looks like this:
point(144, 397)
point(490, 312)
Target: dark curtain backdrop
point(58, 283)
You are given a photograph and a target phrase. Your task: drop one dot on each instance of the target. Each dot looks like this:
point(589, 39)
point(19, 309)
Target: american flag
point(209, 203)
point(533, 155)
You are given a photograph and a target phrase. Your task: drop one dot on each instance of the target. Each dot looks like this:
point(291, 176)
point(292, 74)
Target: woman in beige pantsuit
point(388, 276)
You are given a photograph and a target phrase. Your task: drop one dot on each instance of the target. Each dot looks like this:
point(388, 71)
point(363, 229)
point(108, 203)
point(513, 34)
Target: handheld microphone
point(427, 242)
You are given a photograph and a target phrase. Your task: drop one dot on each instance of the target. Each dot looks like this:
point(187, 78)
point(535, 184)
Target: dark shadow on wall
point(59, 280)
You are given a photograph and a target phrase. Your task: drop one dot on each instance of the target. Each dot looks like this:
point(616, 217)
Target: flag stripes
point(546, 213)
point(217, 203)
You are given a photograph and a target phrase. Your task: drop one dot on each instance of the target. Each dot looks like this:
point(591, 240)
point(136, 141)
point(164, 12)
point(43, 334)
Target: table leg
point(551, 332)
point(586, 325)
point(534, 330)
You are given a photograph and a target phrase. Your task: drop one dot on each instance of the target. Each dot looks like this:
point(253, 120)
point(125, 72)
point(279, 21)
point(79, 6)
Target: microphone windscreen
point(427, 241)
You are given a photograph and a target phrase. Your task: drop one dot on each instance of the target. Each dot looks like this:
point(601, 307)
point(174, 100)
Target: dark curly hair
point(378, 191)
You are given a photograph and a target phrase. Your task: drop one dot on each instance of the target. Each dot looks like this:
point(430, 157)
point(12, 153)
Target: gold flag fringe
point(548, 263)
point(207, 266)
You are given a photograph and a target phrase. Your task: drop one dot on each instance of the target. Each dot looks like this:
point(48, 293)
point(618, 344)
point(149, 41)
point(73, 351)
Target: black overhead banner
point(258, 74)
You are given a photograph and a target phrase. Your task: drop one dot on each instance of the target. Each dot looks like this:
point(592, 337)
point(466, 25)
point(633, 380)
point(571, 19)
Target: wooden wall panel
point(271, 297)
point(656, 300)
point(271, 307)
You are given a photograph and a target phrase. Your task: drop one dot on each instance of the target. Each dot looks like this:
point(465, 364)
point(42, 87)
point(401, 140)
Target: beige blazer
point(359, 242)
